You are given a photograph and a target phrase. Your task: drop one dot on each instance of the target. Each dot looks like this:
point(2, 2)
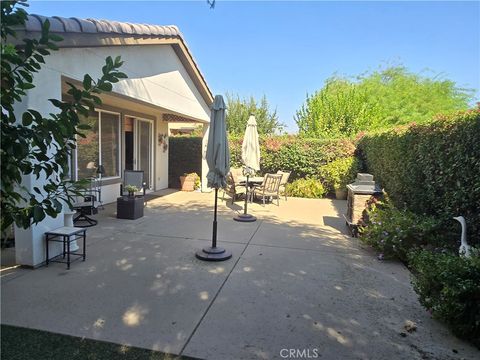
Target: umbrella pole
point(246, 196)
point(214, 236)
point(245, 217)
point(214, 253)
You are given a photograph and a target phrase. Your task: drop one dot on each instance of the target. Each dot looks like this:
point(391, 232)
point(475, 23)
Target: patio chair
point(237, 173)
point(270, 188)
point(283, 183)
point(87, 206)
point(135, 178)
point(233, 188)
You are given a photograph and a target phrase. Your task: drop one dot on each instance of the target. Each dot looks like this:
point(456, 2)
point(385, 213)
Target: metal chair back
point(135, 178)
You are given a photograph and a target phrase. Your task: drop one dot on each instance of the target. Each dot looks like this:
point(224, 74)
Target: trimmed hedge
point(431, 169)
point(303, 157)
point(184, 156)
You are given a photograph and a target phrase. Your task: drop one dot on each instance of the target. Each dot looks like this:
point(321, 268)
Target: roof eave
point(97, 33)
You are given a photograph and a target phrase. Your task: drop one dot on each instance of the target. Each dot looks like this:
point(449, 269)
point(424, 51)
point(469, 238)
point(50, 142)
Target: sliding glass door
point(138, 140)
point(144, 149)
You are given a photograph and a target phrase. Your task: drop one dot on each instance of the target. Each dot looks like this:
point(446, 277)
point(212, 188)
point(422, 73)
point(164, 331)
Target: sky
point(287, 49)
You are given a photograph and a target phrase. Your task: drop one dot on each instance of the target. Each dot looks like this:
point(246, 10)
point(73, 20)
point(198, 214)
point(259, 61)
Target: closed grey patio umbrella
point(251, 160)
point(218, 160)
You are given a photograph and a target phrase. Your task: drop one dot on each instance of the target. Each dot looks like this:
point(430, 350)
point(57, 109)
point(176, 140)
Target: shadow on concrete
point(295, 281)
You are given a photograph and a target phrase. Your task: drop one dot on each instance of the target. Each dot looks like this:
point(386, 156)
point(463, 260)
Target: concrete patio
point(295, 281)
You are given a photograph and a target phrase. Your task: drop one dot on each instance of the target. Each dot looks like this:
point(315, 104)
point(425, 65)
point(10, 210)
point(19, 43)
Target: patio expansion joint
point(219, 290)
point(336, 252)
point(179, 237)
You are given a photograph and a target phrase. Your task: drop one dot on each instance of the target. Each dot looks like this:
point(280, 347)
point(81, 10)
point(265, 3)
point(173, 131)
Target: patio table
point(255, 180)
point(252, 181)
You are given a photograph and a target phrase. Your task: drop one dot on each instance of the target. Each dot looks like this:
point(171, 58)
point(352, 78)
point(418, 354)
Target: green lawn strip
point(19, 343)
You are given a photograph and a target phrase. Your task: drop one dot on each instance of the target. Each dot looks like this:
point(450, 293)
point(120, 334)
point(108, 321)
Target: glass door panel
point(144, 149)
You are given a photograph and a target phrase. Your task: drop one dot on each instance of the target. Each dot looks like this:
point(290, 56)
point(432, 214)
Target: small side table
point(66, 235)
point(129, 207)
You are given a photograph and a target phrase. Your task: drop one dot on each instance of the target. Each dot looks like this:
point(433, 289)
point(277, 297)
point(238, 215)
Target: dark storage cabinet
point(129, 207)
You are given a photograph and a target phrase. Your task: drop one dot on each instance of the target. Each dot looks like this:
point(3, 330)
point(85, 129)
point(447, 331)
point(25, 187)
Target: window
point(101, 145)
point(110, 143)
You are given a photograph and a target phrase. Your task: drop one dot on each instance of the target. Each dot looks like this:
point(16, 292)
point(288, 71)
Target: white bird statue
point(465, 249)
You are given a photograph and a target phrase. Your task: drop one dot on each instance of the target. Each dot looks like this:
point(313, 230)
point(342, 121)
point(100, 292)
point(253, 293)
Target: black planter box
point(130, 207)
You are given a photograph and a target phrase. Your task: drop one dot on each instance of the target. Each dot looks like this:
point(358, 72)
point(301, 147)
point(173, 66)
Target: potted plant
point(341, 193)
point(190, 182)
point(131, 189)
point(197, 183)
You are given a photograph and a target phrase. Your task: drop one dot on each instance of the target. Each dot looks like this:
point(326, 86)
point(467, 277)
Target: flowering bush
point(395, 232)
point(302, 157)
point(449, 287)
point(306, 188)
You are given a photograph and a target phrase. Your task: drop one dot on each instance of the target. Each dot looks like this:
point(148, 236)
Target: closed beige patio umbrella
point(251, 161)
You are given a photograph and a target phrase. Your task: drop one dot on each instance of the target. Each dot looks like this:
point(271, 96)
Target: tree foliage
point(380, 99)
point(239, 110)
point(31, 143)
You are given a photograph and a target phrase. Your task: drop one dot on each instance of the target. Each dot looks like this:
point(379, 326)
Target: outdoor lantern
point(100, 170)
point(359, 193)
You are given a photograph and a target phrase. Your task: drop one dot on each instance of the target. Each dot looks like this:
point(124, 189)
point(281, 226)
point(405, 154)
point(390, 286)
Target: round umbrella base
point(213, 254)
point(245, 218)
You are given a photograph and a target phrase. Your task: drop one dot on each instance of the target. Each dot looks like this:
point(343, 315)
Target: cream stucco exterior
point(158, 83)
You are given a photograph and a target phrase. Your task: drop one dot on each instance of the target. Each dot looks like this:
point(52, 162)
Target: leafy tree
point(239, 110)
point(33, 144)
point(381, 99)
point(340, 108)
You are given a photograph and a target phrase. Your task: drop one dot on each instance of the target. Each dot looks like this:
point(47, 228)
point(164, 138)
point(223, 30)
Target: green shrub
point(431, 169)
point(306, 188)
point(302, 157)
point(395, 232)
point(449, 286)
point(339, 172)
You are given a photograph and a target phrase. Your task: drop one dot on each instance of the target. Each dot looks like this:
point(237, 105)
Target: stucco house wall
point(163, 80)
